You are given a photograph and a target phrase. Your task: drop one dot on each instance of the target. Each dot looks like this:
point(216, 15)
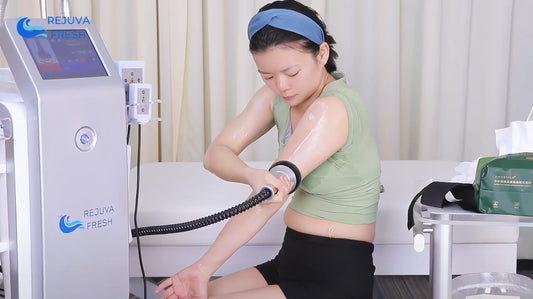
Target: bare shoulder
point(329, 106)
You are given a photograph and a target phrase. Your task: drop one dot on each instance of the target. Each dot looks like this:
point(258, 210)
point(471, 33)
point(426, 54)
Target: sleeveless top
point(345, 187)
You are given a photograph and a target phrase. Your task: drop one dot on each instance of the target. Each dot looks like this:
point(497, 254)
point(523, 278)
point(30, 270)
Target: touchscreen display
point(65, 54)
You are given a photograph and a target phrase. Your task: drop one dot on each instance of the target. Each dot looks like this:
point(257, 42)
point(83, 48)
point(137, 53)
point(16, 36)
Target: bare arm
point(322, 130)
point(221, 157)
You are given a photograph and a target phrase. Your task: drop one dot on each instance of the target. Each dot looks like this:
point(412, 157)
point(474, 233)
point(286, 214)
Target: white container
point(492, 285)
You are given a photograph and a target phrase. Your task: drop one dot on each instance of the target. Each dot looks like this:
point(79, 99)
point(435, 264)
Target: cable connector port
point(140, 103)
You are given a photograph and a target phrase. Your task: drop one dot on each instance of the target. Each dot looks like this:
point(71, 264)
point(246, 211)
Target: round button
point(85, 139)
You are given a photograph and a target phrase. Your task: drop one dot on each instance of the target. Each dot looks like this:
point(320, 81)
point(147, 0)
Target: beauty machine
point(64, 166)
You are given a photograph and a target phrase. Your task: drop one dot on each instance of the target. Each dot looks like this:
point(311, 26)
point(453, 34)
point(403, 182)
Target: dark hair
point(269, 36)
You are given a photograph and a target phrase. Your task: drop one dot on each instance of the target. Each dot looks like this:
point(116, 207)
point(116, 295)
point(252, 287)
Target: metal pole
point(441, 260)
point(43, 9)
point(65, 8)
point(3, 4)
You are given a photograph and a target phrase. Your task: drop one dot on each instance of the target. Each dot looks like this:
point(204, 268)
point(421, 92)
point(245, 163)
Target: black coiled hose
point(264, 194)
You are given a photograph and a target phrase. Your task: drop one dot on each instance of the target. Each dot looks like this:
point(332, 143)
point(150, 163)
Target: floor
point(385, 287)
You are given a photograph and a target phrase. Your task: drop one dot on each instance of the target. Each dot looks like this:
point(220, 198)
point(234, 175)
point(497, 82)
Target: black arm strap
point(434, 195)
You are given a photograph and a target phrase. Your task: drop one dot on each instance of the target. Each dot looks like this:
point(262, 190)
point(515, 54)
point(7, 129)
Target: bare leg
point(244, 284)
point(268, 292)
point(243, 280)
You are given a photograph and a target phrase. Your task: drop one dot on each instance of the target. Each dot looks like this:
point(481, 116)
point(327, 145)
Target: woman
point(322, 130)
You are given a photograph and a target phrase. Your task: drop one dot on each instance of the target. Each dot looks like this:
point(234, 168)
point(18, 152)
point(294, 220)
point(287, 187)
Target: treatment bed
point(183, 191)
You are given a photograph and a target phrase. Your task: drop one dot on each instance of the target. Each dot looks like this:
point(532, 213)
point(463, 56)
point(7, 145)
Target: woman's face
point(294, 74)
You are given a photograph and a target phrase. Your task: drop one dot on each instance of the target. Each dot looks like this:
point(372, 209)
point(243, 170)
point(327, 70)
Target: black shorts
point(309, 266)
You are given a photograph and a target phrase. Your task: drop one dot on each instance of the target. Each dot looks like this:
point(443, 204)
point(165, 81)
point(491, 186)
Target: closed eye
point(294, 74)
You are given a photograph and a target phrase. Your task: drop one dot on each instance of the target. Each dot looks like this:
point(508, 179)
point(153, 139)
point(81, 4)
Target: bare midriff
point(327, 228)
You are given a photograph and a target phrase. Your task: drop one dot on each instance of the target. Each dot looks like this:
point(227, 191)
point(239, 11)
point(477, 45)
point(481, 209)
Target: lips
point(288, 98)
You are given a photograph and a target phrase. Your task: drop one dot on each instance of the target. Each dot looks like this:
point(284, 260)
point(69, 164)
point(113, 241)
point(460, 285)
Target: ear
point(323, 53)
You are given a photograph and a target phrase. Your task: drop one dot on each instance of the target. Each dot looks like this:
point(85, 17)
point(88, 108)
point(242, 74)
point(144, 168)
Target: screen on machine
point(65, 54)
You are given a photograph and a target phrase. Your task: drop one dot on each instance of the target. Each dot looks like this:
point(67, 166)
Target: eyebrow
point(283, 70)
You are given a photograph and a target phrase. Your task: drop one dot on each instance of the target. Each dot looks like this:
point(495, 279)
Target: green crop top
point(345, 188)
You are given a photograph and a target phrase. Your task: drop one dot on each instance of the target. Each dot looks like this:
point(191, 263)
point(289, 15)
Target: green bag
point(503, 185)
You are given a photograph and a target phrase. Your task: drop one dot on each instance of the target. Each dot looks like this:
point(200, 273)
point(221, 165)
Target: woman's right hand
point(190, 283)
point(260, 178)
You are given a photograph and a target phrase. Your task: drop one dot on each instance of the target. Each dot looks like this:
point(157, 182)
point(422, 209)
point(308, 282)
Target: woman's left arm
point(322, 131)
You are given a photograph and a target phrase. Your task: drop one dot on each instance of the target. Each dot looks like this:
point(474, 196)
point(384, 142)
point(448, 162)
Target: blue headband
point(288, 20)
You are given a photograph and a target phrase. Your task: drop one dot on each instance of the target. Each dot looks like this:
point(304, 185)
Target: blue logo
point(27, 31)
point(68, 227)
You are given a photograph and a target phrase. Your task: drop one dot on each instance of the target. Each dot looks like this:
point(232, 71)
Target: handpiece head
point(288, 170)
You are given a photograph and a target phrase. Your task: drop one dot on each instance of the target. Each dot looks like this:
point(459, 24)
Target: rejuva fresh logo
point(27, 31)
point(67, 226)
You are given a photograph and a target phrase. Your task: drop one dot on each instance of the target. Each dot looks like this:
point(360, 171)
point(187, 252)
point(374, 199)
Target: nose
point(282, 83)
